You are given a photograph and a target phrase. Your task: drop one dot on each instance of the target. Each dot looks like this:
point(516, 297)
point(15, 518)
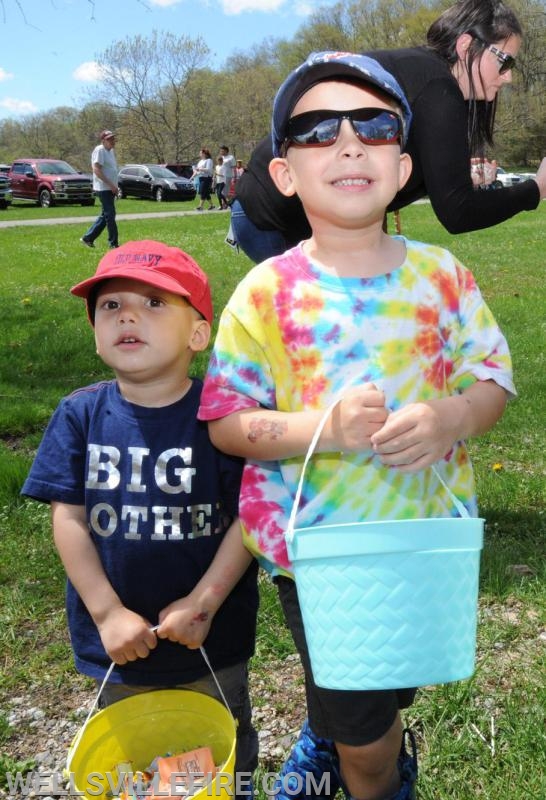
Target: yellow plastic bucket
point(139, 728)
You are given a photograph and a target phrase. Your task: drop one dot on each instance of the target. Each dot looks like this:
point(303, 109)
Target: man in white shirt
point(105, 186)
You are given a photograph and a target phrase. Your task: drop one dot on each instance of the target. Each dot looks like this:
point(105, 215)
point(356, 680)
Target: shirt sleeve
point(440, 141)
point(238, 375)
point(58, 470)
point(480, 350)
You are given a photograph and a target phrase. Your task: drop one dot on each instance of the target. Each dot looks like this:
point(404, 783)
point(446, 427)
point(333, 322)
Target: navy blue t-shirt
point(159, 498)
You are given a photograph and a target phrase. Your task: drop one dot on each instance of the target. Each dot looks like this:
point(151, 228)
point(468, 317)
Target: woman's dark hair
point(205, 152)
point(487, 21)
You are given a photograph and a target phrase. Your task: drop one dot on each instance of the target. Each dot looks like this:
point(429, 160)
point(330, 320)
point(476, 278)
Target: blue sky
point(48, 47)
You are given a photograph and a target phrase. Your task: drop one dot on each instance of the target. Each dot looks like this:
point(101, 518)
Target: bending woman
point(451, 85)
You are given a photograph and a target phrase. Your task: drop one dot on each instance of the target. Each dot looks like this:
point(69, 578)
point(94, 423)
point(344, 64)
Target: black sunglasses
point(321, 128)
point(506, 61)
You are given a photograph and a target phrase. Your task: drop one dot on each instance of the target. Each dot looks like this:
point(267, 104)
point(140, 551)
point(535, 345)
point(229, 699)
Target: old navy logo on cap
point(141, 259)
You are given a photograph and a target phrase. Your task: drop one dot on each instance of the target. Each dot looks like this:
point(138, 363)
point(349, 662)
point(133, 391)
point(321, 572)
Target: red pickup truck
point(48, 181)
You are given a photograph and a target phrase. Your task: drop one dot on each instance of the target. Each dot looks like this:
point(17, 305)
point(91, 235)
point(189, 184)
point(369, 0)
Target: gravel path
point(44, 725)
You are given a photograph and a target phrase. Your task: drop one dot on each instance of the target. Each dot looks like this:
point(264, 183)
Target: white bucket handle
point(75, 743)
point(292, 519)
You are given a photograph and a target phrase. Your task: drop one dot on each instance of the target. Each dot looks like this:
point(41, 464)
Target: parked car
point(153, 182)
point(6, 194)
point(48, 181)
point(507, 178)
point(526, 176)
point(182, 168)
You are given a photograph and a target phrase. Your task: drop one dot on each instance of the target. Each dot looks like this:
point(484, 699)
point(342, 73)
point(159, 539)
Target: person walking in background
point(229, 164)
point(204, 171)
point(220, 182)
point(105, 186)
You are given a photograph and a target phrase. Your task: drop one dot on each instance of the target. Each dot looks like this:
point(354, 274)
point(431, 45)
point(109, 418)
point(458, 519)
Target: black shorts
point(349, 717)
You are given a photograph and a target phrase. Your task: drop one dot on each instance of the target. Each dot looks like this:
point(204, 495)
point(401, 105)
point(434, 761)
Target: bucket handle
point(289, 536)
point(75, 743)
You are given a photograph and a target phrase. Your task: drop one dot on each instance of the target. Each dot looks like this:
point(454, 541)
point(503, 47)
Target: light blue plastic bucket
point(388, 604)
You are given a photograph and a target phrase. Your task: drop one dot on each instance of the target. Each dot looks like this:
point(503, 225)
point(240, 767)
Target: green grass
point(46, 327)
point(482, 738)
point(27, 210)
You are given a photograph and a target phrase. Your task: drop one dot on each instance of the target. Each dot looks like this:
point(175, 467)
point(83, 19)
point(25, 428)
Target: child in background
point(220, 182)
point(397, 326)
point(144, 507)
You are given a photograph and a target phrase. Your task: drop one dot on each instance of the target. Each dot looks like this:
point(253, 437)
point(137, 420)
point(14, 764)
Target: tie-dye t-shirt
point(293, 336)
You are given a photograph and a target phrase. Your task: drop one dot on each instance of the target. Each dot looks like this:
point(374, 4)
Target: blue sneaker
point(310, 771)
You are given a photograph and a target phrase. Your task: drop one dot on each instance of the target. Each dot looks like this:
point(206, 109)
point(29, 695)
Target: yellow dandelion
point(497, 467)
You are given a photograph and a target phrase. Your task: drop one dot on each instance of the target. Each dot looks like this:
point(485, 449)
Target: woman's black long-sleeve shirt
point(437, 144)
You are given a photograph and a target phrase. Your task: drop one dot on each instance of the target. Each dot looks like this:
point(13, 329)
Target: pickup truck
point(48, 181)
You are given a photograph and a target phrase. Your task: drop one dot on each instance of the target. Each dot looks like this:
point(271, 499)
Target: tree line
point(165, 102)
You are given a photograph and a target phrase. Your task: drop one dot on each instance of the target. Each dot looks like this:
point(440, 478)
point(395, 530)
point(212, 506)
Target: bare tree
point(147, 78)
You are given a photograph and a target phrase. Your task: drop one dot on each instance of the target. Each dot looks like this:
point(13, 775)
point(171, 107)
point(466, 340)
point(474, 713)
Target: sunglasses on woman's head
point(321, 128)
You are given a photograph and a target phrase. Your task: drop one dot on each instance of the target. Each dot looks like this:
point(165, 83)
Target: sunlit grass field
point(482, 738)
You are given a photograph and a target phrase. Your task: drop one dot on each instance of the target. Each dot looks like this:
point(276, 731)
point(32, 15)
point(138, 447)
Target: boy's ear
point(200, 337)
point(404, 170)
point(281, 176)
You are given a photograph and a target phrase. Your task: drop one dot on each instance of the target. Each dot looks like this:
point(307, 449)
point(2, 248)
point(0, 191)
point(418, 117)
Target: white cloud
point(15, 106)
point(4, 75)
point(88, 72)
point(304, 9)
point(238, 6)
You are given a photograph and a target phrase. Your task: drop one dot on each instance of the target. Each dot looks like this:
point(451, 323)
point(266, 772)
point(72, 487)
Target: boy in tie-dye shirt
point(398, 327)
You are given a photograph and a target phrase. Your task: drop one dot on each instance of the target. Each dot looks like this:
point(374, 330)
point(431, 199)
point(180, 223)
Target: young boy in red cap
point(144, 507)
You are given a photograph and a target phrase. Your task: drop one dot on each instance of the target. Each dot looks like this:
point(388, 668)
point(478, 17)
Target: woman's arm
point(439, 145)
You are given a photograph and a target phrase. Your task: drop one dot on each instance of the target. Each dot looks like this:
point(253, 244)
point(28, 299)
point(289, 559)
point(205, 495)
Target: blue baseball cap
point(329, 65)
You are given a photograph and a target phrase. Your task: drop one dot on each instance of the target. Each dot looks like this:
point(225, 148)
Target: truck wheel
point(44, 198)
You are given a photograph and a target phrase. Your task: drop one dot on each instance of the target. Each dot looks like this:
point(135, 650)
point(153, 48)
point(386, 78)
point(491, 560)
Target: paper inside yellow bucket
point(152, 724)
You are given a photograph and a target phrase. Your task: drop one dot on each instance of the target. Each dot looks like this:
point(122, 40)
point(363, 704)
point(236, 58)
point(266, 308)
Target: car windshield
point(57, 168)
point(162, 172)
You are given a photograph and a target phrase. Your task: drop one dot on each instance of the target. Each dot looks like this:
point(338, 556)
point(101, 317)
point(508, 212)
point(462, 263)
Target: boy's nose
point(127, 313)
point(348, 140)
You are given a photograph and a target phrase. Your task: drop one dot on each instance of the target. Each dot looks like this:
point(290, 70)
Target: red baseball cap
point(107, 135)
point(156, 264)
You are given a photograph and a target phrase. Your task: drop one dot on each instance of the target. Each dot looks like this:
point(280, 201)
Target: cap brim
point(160, 280)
